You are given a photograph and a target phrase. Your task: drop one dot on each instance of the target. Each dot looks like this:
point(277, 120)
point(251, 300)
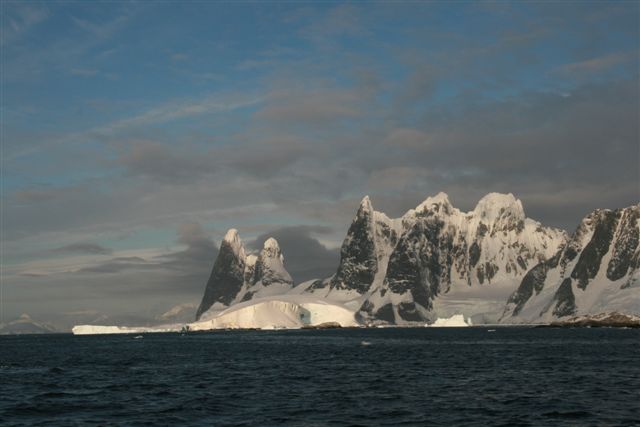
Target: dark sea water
point(440, 377)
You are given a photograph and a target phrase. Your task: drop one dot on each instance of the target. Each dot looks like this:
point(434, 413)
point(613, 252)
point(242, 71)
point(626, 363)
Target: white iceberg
point(100, 329)
point(281, 312)
point(455, 321)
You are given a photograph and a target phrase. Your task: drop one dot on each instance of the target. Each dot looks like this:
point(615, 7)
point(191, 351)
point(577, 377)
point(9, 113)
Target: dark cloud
point(118, 265)
point(312, 106)
point(83, 248)
point(160, 162)
point(305, 257)
point(185, 269)
point(197, 259)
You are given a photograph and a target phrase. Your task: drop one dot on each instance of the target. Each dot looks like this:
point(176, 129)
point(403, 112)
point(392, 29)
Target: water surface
point(440, 377)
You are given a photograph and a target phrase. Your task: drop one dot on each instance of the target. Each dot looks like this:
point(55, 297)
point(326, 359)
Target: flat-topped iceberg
point(455, 321)
point(100, 330)
point(281, 312)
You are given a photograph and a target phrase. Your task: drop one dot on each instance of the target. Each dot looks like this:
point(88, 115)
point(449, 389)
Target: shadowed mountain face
point(399, 267)
point(239, 277)
point(227, 275)
point(596, 271)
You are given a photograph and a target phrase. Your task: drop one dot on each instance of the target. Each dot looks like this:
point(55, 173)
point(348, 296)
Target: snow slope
point(596, 272)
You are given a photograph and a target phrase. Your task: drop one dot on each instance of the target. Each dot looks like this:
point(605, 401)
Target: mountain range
point(491, 264)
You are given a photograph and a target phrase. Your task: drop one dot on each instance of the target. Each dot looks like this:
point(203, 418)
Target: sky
point(134, 134)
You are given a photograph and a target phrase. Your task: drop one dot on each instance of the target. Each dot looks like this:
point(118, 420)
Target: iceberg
point(100, 329)
point(281, 312)
point(455, 321)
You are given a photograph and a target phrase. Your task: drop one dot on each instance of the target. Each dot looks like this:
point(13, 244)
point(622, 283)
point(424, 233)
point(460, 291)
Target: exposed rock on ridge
point(592, 273)
point(239, 277)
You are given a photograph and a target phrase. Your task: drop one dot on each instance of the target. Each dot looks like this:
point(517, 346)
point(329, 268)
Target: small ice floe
point(137, 337)
point(365, 343)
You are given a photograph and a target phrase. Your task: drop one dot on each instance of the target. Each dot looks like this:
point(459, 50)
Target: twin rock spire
point(238, 277)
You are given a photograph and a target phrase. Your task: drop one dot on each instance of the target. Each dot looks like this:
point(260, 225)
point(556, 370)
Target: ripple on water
point(419, 377)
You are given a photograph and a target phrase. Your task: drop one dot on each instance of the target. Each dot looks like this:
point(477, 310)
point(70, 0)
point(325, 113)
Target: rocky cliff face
point(399, 270)
point(596, 271)
point(239, 277)
point(227, 276)
point(442, 250)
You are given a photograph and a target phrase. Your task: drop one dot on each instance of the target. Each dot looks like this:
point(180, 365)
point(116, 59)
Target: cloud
point(199, 255)
point(31, 196)
point(305, 257)
point(82, 248)
point(106, 29)
point(66, 50)
point(342, 21)
point(318, 107)
point(179, 56)
point(118, 265)
point(157, 161)
point(599, 64)
point(176, 109)
point(18, 19)
point(84, 72)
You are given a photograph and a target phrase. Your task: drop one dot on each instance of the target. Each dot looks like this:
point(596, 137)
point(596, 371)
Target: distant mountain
point(595, 272)
point(26, 325)
point(181, 313)
point(490, 264)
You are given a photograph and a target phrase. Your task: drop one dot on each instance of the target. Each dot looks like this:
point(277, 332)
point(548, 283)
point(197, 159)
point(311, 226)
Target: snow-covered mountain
point(26, 325)
point(595, 272)
point(178, 313)
point(238, 277)
point(490, 264)
point(436, 261)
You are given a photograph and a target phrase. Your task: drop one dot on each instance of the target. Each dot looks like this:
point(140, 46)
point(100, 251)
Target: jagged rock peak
point(365, 205)
point(271, 248)
point(496, 205)
point(439, 199)
point(227, 275)
point(232, 238)
point(250, 261)
point(435, 205)
point(269, 267)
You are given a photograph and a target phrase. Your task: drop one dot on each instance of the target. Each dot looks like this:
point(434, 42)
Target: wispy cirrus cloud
point(599, 64)
point(82, 248)
point(19, 18)
point(178, 109)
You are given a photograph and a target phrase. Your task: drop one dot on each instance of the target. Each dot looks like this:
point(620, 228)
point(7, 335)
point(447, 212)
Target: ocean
point(344, 377)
